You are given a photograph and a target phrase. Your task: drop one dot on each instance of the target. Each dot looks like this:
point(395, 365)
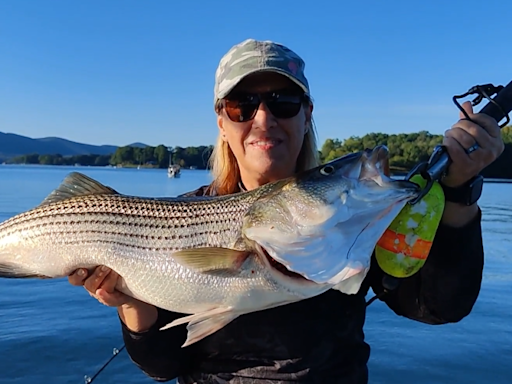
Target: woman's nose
point(264, 118)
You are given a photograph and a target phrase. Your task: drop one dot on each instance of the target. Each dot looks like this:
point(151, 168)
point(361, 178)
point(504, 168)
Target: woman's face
point(266, 146)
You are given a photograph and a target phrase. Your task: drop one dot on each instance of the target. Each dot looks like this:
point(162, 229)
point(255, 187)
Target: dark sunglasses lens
point(241, 110)
point(284, 108)
point(281, 105)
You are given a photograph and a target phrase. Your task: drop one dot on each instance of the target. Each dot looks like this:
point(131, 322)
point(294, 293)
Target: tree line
point(150, 157)
point(406, 150)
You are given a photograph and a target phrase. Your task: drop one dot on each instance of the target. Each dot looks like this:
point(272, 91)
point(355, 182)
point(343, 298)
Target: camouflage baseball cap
point(251, 56)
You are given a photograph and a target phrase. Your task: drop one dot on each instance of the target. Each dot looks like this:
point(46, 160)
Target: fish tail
point(15, 271)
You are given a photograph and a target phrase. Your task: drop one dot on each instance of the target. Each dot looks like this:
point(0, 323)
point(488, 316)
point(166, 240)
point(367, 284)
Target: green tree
point(46, 159)
point(123, 155)
point(161, 156)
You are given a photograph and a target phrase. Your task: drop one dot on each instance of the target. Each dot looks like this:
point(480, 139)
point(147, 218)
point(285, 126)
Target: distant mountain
point(137, 145)
point(12, 145)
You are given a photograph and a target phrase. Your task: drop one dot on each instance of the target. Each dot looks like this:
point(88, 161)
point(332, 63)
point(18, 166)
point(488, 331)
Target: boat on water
point(173, 170)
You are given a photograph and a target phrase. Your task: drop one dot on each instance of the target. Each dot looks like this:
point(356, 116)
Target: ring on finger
point(472, 149)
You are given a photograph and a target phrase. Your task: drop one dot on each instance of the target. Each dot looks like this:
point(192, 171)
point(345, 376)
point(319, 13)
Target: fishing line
point(115, 352)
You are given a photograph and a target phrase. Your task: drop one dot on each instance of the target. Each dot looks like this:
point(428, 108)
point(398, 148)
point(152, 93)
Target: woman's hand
point(101, 284)
point(463, 135)
point(472, 146)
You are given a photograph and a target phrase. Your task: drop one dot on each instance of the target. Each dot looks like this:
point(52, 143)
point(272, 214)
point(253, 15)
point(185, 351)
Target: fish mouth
point(380, 156)
point(281, 268)
point(375, 164)
point(375, 168)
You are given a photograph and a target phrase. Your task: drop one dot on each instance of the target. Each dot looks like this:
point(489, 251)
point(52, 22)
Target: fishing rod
point(498, 108)
point(116, 351)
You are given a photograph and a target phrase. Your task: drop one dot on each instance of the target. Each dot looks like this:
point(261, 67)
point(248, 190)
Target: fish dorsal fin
point(77, 184)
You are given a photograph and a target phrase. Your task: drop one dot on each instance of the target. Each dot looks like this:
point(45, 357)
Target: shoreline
point(490, 180)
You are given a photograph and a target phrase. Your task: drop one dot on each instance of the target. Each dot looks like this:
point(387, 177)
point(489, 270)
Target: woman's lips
point(265, 143)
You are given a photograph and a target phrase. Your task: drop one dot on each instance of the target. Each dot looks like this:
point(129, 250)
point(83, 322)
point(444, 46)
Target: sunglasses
point(242, 107)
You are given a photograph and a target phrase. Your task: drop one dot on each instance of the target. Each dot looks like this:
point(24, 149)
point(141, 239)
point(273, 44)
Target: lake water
point(52, 332)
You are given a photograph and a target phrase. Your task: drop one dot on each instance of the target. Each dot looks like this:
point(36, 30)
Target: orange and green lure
point(405, 245)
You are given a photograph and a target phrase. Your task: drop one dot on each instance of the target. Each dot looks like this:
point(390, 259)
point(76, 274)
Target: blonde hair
point(225, 170)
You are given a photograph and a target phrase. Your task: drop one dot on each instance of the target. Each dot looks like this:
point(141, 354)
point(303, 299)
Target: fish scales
point(135, 221)
point(87, 232)
point(136, 238)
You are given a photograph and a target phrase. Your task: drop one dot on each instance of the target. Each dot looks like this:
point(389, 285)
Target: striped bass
point(215, 258)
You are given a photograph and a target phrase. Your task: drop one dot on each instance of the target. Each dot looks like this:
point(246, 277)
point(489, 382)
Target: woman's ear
point(220, 124)
point(309, 113)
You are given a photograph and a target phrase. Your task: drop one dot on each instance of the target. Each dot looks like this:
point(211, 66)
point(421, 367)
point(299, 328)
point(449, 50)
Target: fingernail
point(81, 272)
point(104, 268)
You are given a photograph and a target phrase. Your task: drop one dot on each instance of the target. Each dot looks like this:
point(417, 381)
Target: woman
point(264, 114)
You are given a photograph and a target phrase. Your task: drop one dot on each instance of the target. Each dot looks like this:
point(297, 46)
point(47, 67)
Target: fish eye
point(327, 170)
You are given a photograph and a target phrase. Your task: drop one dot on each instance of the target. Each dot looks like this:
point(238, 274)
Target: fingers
point(100, 283)
point(481, 120)
point(113, 299)
point(468, 133)
point(482, 131)
point(468, 107)
point(107, 293)
point(462, 137)
point(456, 150)
point(96, 279)
point(78, 277)
point(109, 282)
point(100, 277)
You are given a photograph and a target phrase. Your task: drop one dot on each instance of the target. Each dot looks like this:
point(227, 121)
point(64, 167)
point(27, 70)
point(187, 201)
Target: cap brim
point(261, 70)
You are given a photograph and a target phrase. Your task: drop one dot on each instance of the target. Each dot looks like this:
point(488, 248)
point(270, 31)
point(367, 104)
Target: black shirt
point(320, 339)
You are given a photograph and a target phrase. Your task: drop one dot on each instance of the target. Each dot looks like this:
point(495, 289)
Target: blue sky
point(121, 71)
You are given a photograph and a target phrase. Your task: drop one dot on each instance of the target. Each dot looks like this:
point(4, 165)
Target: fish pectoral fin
point(211, 259)
point(204, 324)
point(12, 271)
point(77, 184)
point(351, 284)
